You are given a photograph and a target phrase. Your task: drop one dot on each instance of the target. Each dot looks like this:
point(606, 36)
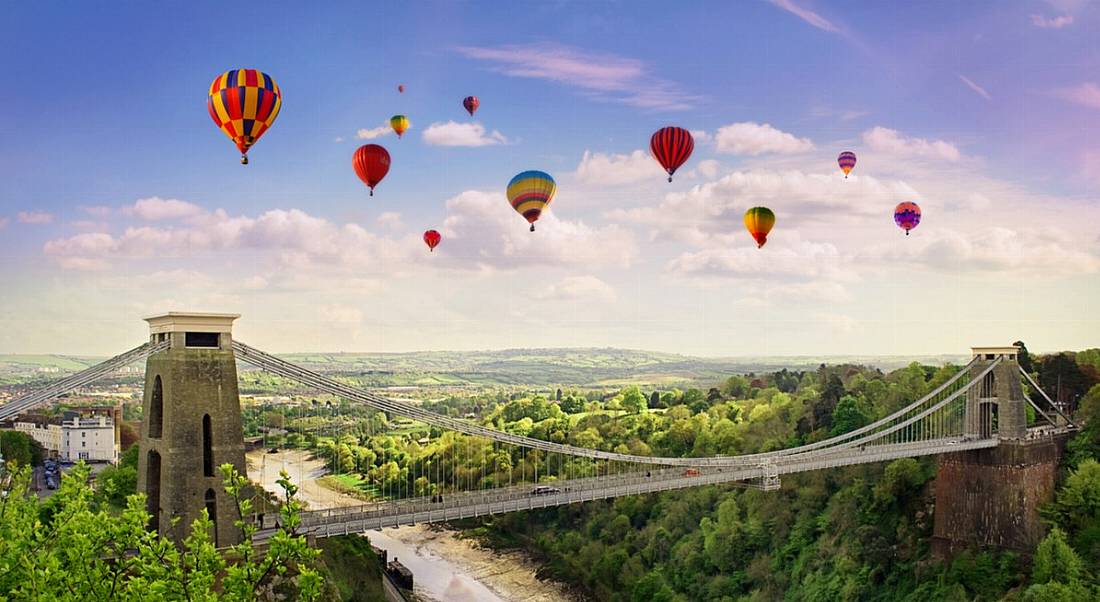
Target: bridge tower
point(996, 405)
point(191, 425)
point(990, 498)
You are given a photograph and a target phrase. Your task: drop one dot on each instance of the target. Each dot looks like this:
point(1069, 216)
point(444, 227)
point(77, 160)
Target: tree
point(1062, 378)
point(633, 400)
point(1055, 561)
point(655, 400)
point(1024, 358)
point(850, 414)
point(20, 448)
point(85, 552)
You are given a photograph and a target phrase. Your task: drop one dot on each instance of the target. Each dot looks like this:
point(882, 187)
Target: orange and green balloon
point(399, 123)
point(759, 221)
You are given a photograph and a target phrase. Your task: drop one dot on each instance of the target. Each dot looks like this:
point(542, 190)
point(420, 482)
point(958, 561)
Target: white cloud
point(708, 168)
point(603, 169)
point(155, 209)
point(1051, 22)
point(453, 133)
point(980, 91)
point(481, 229)
point(372, 133)
point(700, 136)
point(785, 256)
point(1086, 95)
point(34, 217)
point(988, 251)
point(3, 222)
point(750, 138)
point(604, 77)
point(711, 214)
point(578, 288)
point(390, 220)
point(807, 15)
point(893, 142)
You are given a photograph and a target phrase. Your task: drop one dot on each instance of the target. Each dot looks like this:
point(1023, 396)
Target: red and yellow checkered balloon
point(244, 103)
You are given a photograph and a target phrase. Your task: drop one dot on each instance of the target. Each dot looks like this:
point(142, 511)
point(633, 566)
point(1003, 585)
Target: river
point(445, 566)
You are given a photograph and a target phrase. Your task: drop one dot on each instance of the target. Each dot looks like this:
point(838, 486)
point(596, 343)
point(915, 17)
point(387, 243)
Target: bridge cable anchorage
point(83, 378)
point(1053, 405)
point(286, 369)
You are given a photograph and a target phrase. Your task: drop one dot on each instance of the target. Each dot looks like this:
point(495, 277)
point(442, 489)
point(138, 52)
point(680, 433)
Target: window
point(156, 409)
point(212, 511)
point(201, 339)
point(207, 447)
point(152, 489)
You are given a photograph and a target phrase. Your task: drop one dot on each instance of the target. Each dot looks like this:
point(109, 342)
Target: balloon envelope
point(671, 146)
point(432, 238)
point(401, 88)
point(471, 103)
point(244, 103)
point(846, 160)
point(907, 216)
point(530, 193)
point(399, 123)
point(371, 163)
point(759, 221)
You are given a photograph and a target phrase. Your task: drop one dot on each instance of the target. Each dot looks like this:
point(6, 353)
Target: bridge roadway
point(358, 519)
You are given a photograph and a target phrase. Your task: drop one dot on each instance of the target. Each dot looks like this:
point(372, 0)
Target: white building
point(88, 438)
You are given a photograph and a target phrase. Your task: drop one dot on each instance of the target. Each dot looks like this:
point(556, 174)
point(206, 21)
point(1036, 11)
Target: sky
point(121, 198)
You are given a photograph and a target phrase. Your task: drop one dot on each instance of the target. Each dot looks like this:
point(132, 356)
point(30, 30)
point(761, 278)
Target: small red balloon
point(471, 103)
point(371, 163)
point(432, 238)
point(401, 88)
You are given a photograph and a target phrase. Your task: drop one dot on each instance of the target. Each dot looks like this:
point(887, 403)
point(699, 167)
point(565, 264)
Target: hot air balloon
point(530, 193)
point(471, 103)
point(244, 103)
point(399, 123)
point(907, 216)
point(671, 146)
point(371, 162)
point(432, 238)
point(401, 88)
point(846, 160)
point(759, 221)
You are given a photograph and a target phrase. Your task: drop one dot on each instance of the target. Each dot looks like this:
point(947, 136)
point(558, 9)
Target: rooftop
point(186, 321)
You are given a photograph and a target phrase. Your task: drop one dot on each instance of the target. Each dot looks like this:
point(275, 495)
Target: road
point(304, 470)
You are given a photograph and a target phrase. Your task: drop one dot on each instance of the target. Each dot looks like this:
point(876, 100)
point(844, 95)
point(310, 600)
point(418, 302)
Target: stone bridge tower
point(191, 425)
point(990, 498)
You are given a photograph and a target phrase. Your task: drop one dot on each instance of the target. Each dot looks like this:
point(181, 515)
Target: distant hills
point(559, 366)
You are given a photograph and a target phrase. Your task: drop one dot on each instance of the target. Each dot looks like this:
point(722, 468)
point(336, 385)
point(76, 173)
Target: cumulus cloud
point(372, 133)
point(453, 133)
point(578, 288)
point(155, 209)
point(893, 142)
point(1086, 95)
point(712, 213)
point(605, 77)
point(1051, 22)
point(750, 138)
point(478, 231)
point(604, 169)
point(34, 217)
point(289, 237)
point(390, 220)
point(782, 258)
point(991, 250)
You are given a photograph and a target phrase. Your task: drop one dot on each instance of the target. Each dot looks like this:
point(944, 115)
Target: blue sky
point(121, 198)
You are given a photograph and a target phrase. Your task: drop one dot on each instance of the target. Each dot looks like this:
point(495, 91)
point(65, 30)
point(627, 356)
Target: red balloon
point(401, 88)
point(671, 146)
point(471, 103)
point(371, 163)
point(432, 238)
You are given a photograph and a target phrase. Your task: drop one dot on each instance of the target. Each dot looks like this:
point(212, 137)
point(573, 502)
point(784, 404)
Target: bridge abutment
point(191, 425)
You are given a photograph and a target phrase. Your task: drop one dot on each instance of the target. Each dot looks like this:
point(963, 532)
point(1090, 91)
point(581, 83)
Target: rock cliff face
point(990, 498)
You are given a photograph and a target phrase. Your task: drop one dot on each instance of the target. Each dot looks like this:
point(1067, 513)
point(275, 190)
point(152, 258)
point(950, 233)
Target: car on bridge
point(691, 472)
point(545, 490)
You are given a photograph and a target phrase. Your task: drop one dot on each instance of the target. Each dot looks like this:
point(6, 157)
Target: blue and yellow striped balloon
point(244, 103)
point(530, 193)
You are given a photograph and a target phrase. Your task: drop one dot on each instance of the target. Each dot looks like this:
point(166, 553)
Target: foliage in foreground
point(72, 546)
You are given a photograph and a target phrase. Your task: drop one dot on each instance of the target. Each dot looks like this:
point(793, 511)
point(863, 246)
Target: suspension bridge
point(192, 424)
